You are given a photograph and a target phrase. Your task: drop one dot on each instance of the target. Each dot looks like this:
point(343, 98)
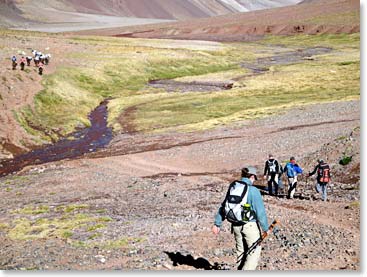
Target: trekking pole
point(262, 238)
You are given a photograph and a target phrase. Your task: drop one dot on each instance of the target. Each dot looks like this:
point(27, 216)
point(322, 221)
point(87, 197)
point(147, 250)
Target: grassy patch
point(355, 204)
point(280, 89)
point(96, 227)
point(345, 160)
point(29, 210)
point(27, 229)
point(120, 68)
point(4, 227)
point(72, 208)
point(336, 41)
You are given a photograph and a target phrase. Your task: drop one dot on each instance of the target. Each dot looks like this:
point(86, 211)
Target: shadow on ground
point(199, 263)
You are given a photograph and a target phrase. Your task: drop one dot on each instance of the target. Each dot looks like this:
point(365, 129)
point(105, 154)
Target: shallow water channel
point(97, 136)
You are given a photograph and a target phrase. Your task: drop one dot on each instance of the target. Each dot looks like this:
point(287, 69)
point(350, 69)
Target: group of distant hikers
point(38, 57)
point(273, 172)
point(244, 208)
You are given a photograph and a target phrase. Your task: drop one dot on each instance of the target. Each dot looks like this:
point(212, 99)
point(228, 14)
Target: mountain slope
point(16, 12)
point(310, 17)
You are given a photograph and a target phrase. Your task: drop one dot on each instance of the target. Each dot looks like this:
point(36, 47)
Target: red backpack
point(324, 173)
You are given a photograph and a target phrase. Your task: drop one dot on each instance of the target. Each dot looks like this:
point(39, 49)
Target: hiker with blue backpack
point(244, 208)
point(292, 169)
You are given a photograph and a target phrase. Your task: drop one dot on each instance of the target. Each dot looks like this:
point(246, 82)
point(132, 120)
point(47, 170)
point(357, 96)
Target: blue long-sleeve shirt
point(257, 205)
point(292, 170)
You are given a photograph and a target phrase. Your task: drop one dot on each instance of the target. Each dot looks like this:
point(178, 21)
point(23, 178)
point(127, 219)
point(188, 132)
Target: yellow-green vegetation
point(352, 18)
point(62, 222)
point(4, 226)
point(116, 68)
point(63, 227)
point(120, 69)
point(30, 210)
point(330, 77)
point(72, 208)
point(116, 244)
point(355, 204)
point(38, 222)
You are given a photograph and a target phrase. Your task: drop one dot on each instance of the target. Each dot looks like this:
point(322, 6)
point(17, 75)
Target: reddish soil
point(170, 186)
point(251, 25)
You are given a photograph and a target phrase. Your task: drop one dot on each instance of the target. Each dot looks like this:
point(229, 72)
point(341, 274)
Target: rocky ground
point(148, 201)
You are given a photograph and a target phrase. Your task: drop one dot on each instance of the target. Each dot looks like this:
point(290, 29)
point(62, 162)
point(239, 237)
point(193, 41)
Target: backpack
point(272, 166)
point(233, 204)
point(289, 170)
point(324, 173)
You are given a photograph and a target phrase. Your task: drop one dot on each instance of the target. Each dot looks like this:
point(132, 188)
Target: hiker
point(40, 68)
point(323, 177)
point(22, 63)
point(292, 169)
point(280, 173)
point(14, 62)
point(29, 59)
point(271, 172)
point(47, 59)
point(36, 60)
point(42, 58)
point(244, 208)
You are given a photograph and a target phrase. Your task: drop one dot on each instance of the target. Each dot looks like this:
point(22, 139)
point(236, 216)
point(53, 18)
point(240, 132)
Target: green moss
point(67, 234)
point(4, 227)
point(96, 227)
point(26, 229)
point(104, 219)
point(345, 160)
point(30, 210)
point(94, 236)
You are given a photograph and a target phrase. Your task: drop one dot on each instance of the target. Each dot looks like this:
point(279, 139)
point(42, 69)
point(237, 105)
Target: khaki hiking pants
point(245, 237)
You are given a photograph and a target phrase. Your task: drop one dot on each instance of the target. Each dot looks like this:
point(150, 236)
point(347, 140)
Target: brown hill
point(16, 13)
point(310, 17)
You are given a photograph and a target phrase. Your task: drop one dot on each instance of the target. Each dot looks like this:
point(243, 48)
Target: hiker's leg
point(276, 186)
point(240, 246)
point(251, 233)
point(270, 185)
point(318, 187)
point(291, 184)
point(294, 186)
point(324, 191)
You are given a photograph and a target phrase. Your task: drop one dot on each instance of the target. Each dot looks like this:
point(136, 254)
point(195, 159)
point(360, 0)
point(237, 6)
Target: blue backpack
point(289, 170)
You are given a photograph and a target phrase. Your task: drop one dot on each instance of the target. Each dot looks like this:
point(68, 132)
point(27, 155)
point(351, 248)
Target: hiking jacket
point(319, 172)
point(292, 170)
point(257, 205)
point(267, 167)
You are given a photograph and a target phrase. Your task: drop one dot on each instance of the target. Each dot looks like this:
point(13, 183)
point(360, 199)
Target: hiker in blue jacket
point(248, 232)
point(292, 169)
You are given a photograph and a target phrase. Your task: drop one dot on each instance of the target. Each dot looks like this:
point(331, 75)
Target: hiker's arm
point(266, 168)
point(259, 208)
point(314, 171)
point(219, 217)
point(276, 166)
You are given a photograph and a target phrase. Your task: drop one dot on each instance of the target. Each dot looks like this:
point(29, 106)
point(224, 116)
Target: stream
point(88, 140)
